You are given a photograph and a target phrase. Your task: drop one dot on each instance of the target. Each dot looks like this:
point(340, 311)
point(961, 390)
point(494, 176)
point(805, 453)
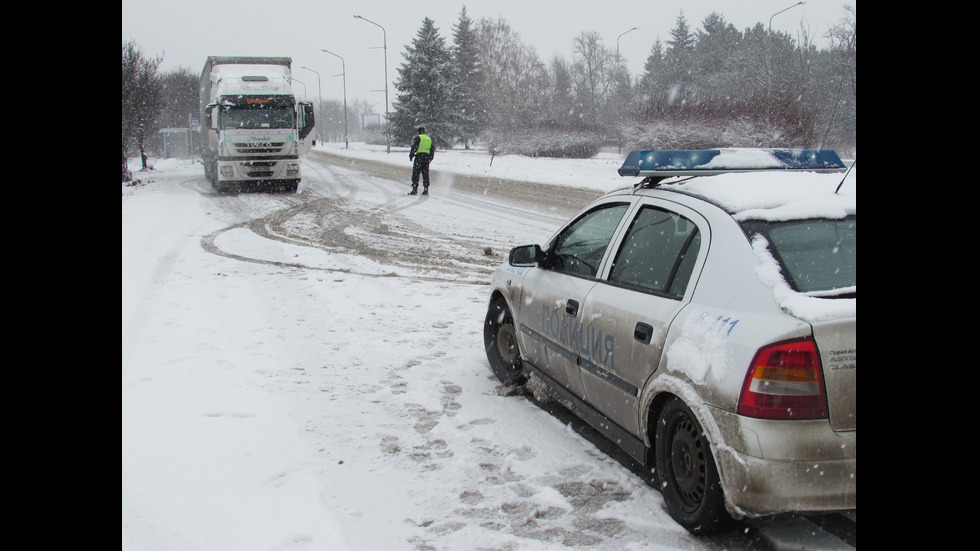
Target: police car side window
point(579, 248)
point(658, 253)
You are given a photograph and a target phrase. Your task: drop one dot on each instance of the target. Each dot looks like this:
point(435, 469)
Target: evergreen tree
point(468, 114)
point(652, 87)
point(561, 107)
point(750, 64)
point(425, 87)
point(680, 54)
point(712, 51)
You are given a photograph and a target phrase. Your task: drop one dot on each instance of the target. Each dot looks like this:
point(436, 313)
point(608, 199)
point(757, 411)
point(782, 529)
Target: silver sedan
point(704, 319)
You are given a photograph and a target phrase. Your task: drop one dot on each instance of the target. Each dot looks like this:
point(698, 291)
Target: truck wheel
point(688, 476)
point(500, 341)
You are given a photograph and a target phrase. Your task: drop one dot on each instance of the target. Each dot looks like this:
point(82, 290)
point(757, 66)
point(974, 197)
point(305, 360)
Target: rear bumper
point(785, 466)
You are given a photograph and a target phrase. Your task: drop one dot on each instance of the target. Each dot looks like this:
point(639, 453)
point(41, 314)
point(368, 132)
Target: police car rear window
point(816, 256)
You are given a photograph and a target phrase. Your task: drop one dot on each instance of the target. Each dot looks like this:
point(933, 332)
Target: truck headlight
point(292, 169)
point(227, 171)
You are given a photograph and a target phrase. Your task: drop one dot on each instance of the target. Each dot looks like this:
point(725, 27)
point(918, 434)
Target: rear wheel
point(688, 476)
point(500, 341)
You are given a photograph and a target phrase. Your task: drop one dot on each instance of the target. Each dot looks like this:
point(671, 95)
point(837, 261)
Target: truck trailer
point(253, 131)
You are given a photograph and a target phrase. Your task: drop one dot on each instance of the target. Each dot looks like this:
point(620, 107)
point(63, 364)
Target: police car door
point(551, 325)
point(644, 287)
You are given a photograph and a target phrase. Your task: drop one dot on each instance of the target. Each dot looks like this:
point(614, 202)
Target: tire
point(687, 473)
point(500, 341)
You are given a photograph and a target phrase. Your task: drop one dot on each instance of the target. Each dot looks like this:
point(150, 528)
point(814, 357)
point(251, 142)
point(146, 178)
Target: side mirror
point(307, 119)
point(209, 120)
point(526, 255)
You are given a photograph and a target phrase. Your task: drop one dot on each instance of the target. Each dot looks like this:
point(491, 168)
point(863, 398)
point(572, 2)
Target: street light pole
point(384, 37)
point(319, 105)
point(294, 79)
point(617, 42)
point(343, 69)
point(769, 55)
point(781, 11)
point(619, 65)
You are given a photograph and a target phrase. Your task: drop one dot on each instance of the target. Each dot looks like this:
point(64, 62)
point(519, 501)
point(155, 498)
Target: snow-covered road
point(307, 372)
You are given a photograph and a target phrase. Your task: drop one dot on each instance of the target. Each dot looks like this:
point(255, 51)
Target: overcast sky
point(185, 32)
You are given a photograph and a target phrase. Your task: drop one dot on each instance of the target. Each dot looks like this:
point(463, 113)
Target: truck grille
point(271, 147)
point(260, 169)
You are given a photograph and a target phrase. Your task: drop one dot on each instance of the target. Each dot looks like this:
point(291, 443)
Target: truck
point(253, 131)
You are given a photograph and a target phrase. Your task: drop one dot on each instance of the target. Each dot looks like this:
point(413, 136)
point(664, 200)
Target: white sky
point(185, 32)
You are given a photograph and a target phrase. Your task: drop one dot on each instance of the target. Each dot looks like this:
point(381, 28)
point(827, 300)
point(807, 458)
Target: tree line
point(714, 86)
point(151, 102)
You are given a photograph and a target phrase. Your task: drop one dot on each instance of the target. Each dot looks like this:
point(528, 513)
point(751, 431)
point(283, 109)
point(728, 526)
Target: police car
point(703, 319)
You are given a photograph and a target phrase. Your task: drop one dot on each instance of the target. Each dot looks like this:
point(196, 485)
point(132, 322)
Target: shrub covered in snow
point(740, 132)
point(564, 144)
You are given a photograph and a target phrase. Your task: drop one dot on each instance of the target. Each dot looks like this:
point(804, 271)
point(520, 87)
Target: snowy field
point(270, 402)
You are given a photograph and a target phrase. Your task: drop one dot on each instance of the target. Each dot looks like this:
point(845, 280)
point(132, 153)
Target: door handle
point(643, 332)
point(571, 307)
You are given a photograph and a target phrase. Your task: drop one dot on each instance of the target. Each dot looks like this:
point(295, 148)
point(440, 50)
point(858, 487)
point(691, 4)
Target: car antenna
point(845, 176)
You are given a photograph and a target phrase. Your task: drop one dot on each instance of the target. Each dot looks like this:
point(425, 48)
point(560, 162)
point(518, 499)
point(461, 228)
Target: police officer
point(423, 150)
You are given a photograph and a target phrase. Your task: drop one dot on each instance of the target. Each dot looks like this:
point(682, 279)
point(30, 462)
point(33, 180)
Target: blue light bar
point(717, 161)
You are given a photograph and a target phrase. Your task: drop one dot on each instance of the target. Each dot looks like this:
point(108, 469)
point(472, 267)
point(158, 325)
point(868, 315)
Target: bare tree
point(595, 67)
point(513, 96)
point(843, 101)
point(141, 93)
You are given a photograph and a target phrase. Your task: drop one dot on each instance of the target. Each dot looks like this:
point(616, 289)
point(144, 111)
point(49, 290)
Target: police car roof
point(757, 184)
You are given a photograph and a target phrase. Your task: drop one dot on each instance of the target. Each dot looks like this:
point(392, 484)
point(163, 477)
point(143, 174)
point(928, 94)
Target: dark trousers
point(421, 166)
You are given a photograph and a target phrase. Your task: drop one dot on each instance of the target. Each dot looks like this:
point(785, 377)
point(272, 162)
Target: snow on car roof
point(778, 195)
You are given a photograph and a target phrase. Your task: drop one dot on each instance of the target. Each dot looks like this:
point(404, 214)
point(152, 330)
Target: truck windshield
point(253, 112)
point(817, 256)
point(250, 117)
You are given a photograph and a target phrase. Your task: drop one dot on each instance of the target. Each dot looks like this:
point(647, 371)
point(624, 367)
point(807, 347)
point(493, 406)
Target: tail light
point(785, 381)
